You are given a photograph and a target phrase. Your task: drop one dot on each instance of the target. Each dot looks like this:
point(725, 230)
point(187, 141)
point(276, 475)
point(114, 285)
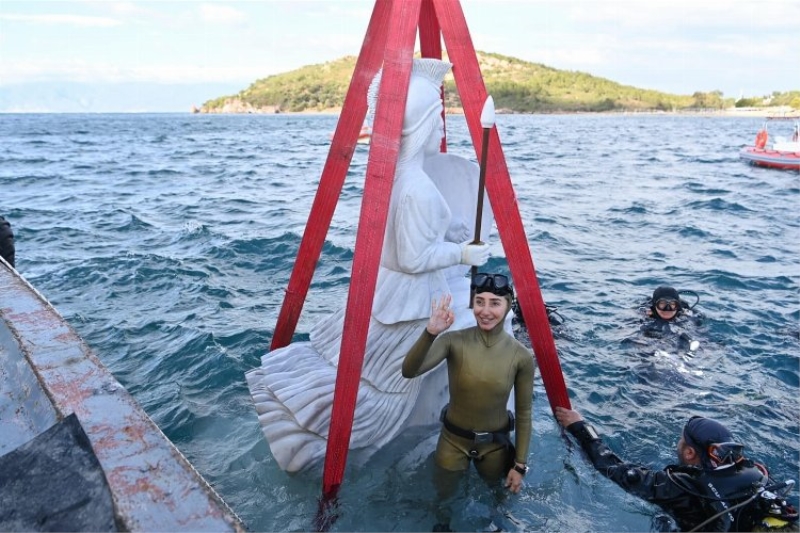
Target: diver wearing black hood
point(7, 250)
point(666, 304)
point(668, 313)
point(713, 488)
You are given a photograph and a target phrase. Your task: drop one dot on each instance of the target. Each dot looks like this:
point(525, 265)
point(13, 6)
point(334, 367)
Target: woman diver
point(668, 315)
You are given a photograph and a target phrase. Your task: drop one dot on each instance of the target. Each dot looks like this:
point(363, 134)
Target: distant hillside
point(517, 87)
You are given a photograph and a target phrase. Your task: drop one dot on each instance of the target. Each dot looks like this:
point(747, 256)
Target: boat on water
point(778, 152)
point(77, 453)
point(364, 135)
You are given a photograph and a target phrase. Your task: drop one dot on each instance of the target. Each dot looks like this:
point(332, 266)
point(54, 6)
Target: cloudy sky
point(741, 47)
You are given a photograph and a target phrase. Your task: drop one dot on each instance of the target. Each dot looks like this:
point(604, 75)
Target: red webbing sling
point(503, 199)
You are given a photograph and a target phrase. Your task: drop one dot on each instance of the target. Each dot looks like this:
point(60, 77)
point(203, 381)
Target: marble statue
point(426, 254)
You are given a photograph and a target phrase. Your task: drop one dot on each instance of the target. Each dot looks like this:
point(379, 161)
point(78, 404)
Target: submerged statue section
point(426, 254)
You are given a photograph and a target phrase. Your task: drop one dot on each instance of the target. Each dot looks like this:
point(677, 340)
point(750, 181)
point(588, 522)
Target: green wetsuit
point(482, 368)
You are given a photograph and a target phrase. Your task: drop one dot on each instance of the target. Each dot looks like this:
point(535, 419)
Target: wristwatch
point(521, 469)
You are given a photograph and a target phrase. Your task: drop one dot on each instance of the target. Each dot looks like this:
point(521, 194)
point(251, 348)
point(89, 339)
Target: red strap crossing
point(503, 199)
point(389, 41)
point(384, 146)
point(330, 186)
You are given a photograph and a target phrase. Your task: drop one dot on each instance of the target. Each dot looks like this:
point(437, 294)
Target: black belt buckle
point(483, 437)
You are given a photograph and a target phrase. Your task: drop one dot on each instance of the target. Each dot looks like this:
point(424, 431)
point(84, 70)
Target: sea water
point(167, 241)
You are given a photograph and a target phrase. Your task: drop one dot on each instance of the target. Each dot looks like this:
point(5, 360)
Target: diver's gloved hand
point(474, 254)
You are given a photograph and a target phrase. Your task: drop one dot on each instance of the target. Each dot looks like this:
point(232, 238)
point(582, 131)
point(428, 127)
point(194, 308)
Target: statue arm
point(422, 221)
point(458, 231)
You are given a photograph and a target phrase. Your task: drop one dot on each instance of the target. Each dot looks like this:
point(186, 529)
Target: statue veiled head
point(424, 100)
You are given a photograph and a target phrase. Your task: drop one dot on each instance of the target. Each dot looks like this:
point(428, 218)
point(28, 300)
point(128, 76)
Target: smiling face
point(489, 310)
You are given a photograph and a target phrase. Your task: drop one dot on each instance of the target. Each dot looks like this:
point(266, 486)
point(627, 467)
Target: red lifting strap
point(503, 199)
point(384, 146)
point(389, 42)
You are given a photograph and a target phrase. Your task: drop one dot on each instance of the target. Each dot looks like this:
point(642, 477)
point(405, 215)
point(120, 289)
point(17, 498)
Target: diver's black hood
point(666, 293)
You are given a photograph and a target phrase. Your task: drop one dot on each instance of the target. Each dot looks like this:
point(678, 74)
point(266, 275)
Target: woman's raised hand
point(442, 317)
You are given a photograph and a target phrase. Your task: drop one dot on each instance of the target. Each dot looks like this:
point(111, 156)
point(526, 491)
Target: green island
point(517, 86)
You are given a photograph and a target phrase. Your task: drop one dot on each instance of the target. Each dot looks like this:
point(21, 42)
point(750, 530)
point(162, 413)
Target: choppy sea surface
point(167, 241)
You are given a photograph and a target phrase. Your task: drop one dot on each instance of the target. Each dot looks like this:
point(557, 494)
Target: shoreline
point(775, 113)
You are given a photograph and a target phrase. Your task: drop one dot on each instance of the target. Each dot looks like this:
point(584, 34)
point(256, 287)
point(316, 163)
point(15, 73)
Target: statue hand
point(458, 231)
point(474, 254)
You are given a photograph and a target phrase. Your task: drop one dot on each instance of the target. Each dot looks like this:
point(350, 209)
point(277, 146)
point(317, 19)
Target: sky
point(740, 47)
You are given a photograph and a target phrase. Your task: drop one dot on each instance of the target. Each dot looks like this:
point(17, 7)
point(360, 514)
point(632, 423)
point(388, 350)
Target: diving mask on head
point(713, 442)
point(498, 284)
point(725, 453)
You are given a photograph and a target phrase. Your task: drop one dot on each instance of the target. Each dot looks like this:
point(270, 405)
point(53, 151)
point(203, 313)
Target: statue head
point(424, 100)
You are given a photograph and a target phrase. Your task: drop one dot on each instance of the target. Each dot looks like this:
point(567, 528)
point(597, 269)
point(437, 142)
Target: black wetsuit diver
point(737, 495)
point(7, 250)
point(670, 316)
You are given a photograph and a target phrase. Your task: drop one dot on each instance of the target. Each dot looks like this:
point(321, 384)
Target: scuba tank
point(776, 513)
point(739, 497)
